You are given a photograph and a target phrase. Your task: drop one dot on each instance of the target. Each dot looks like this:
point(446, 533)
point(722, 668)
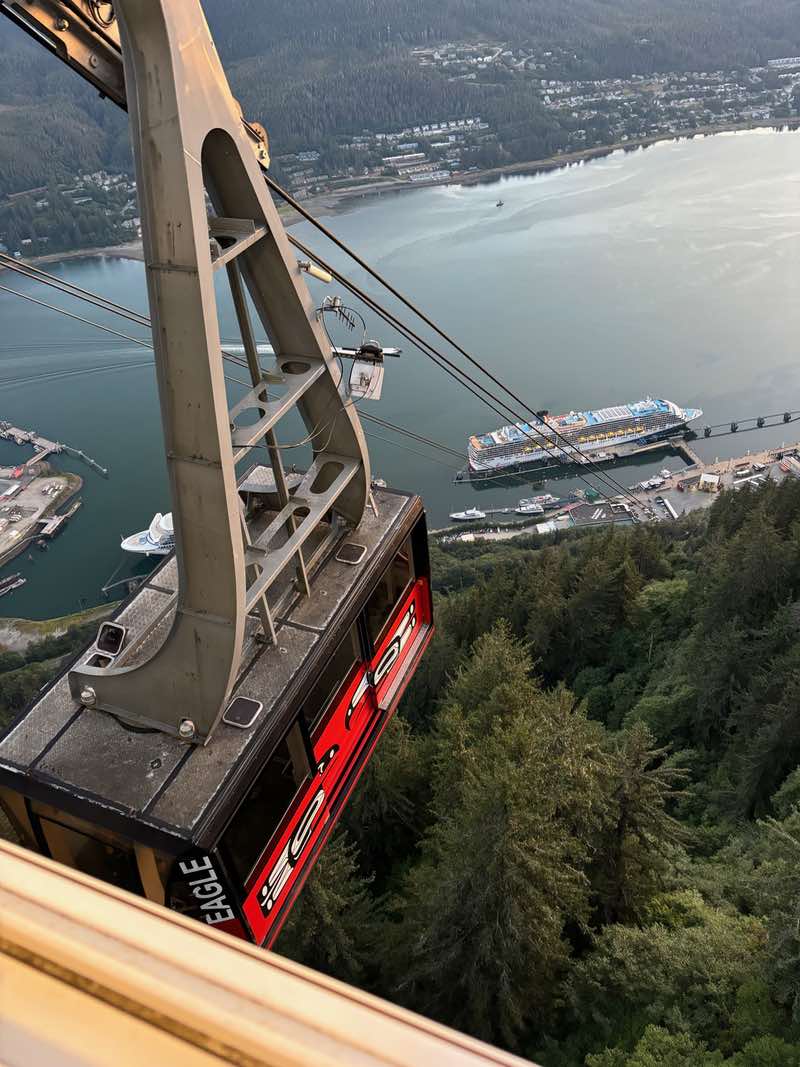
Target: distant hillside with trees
point(311, 70)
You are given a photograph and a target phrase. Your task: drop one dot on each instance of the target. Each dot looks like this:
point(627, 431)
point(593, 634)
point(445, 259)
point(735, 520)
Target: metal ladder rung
point(314, 503)
point(242, 232)
point(243, 437)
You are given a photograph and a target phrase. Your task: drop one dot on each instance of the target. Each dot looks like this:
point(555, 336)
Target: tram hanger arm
point(84, 34)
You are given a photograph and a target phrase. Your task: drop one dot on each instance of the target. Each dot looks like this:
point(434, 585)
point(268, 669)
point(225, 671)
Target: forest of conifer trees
point(580, 837)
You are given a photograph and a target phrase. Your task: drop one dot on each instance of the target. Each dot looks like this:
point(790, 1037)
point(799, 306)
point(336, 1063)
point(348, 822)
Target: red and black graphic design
point(337, 745)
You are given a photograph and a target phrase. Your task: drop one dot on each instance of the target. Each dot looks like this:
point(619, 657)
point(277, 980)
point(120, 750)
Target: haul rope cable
point(444, 363)
point(28, 270)
point(606, 480)
point(79, 293)
point(35, 273)
point(272, 184)
point(409, 433)
point(407, 448)
point(146, 344)
point(67, 373)
point(78, 318)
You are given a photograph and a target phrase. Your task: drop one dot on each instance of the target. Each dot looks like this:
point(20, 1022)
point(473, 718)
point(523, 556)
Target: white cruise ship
point(554, 438)
point(157, 540)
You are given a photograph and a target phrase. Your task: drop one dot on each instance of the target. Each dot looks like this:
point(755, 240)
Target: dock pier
point(79, 454)
point(52, 524)
point(675, 496)
point(43, 447)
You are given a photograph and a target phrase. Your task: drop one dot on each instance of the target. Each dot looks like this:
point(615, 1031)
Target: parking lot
point(19, 514)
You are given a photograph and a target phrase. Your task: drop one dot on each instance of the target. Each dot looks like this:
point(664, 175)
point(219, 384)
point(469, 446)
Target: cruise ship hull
point(570, 440)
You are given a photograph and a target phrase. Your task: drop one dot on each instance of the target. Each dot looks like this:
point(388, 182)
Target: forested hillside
point(311, 70)
point(52, 126)
point(580, 838)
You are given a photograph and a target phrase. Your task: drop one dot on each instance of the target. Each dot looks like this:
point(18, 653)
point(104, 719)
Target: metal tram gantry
point(201, 750)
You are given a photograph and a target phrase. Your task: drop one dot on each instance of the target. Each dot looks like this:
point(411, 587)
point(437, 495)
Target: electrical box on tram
point(202, 749)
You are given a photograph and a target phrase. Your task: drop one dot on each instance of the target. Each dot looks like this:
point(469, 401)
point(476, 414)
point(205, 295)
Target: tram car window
point(335, 675)
point(389, 592)
point(267, 804)
point(97, 854)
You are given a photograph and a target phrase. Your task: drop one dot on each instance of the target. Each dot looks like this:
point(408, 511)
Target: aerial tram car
point(201, 750)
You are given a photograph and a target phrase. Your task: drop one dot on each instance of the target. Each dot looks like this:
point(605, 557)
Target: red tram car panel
point(311, 811)
point(338, 742)
point(390, 657)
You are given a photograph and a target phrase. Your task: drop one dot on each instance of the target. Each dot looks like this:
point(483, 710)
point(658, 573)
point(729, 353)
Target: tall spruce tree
point(641, 835)
point(335, 925)
point(502, 873)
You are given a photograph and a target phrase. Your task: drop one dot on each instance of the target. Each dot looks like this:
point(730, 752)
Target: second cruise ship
point(555, 438)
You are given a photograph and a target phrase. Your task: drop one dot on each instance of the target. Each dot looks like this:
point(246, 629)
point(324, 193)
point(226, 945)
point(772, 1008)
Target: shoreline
point(569, 159)
point(337, 201)
point(17, 633)
point(341, 200)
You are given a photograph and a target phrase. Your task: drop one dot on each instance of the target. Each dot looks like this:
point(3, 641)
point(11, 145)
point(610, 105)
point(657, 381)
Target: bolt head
point(186, 729)
point(62, 24)
point(88, 697)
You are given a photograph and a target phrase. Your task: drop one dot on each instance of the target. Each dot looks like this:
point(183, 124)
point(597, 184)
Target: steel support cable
point(33, 272)
point(27, 270)
point(78, 318)
point(407, 448)
point(51, 376)
point(411, 435)
point(97, 326)
point(606, 481)
point(289, 199)
point(453, 370)
point(145, 344)
point(37, 275)
point(93, 298)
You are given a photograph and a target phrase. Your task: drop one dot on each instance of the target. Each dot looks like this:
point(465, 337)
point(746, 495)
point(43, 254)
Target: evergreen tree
point(681, 970)
point(635, 854)
point(482, 932)
point(335, 926)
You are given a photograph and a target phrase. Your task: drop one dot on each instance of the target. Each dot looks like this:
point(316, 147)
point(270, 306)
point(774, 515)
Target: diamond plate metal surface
point(44, 720)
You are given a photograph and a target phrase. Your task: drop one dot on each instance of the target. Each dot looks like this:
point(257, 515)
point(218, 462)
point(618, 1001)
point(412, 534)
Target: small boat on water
point(499, 203)
point(13, 581)
point(535, 505)
point(157, 540)
point(470, 515)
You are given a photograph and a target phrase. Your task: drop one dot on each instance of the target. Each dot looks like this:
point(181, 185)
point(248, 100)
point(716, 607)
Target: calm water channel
point(673, 271)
